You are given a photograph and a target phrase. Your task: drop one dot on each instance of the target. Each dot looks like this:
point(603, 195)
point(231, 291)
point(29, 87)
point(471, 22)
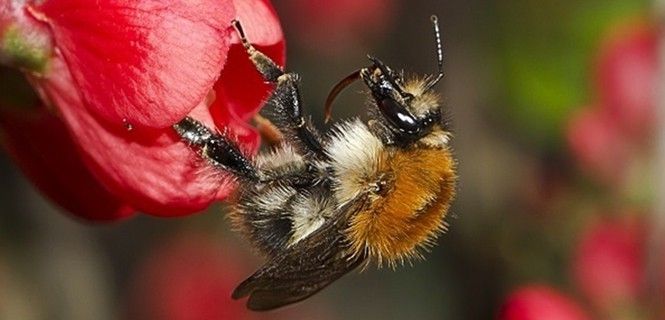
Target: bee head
point(408, 108)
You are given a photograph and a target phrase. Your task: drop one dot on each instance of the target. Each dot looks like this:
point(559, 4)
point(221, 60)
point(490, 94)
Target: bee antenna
point(336, 90)
point(439, 53)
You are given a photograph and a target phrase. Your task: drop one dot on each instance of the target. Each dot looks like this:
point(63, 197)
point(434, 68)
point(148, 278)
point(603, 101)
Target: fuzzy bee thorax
point(404, 192)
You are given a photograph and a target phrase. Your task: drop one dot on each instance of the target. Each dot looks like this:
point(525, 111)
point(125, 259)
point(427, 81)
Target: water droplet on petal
point(127, 125)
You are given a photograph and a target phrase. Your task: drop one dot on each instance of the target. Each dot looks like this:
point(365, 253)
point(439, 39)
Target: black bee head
point(383, 81)
point(409, 108)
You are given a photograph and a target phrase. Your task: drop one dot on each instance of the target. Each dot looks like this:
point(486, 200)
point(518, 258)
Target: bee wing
point(299, 271)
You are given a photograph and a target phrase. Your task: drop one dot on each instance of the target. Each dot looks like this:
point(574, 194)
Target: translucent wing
point(300, 271)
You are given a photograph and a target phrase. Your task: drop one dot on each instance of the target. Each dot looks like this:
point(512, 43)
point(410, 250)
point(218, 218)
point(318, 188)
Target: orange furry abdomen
point(410, 213)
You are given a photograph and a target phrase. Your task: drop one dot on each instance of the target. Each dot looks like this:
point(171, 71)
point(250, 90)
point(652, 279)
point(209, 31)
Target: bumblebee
point(322, 204)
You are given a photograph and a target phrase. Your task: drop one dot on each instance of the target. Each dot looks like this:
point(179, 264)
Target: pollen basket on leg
point(411, 215)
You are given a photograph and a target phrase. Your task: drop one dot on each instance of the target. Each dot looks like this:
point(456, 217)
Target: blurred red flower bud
point(596, 142)
point(609, 264)
point(540, 302)
point(332, 26)
point(190, 277)
point(627, 71)
point(122, 72)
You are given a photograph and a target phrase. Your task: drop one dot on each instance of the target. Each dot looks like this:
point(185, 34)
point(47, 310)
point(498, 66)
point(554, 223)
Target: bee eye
point(398, 116)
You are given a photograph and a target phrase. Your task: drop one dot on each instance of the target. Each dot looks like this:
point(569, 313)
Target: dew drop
point(127, 125)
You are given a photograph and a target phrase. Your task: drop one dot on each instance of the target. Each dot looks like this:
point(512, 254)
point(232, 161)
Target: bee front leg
point(285, 101)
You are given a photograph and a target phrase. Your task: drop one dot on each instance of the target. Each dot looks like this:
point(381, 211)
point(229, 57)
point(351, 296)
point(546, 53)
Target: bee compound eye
point(398, 116)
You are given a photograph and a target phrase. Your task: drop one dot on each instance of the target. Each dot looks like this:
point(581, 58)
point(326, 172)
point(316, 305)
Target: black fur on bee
point(320, 205)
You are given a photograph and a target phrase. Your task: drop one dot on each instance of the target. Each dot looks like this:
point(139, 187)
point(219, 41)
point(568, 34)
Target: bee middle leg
point(223, 152)
point(218, 149)
point(286, 100)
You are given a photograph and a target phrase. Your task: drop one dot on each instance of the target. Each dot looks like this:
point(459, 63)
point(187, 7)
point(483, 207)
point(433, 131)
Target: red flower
point(65, 180)
point(122, 72)
point(607, 138)
point(539, 302)
point(188, 278)
point(330, 27)
point(609, 263)
point(596, 142)
point(627, 73)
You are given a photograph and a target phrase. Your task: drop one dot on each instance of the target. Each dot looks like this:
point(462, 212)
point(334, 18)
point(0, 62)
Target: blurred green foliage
point(546, 61)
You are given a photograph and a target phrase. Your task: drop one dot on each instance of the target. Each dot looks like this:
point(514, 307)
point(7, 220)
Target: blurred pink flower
point(608, 264)
point(540, 302)
point(190, 277)
point(606, 138)
point(626, 75)
point(598, 145)
point(333, 26)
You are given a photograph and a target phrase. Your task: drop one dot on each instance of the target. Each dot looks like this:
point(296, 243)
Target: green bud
point(18, 51)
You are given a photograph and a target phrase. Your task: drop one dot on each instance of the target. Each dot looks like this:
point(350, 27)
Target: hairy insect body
point(402, 196)
point(277, 214)
point(320, 205)
point(405, 193)
point(407, 212)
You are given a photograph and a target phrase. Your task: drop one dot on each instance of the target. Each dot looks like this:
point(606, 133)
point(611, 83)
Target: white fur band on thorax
point(355, 154)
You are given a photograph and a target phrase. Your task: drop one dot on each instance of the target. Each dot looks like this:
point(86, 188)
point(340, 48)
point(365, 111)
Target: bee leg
point(218, 149)
point(285, 101)
point(287, 112)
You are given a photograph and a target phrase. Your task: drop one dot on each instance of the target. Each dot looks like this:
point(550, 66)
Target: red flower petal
point(149, 168)
point(41, 146)
point(539, 302)
point(241, 89)
point(144, 62)
point(609, 263)
point(260, 22)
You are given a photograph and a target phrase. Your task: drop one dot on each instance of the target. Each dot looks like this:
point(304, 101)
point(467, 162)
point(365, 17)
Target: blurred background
point(554, 110)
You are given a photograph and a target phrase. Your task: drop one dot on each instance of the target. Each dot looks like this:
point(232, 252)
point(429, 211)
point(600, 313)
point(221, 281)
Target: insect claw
point(241, 33)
